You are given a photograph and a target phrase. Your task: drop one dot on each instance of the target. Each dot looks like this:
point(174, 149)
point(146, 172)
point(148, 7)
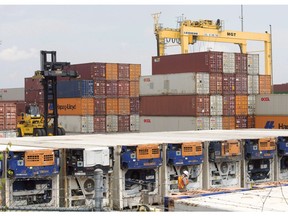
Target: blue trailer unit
point(32, 163)
point(282, 146)
point(259, 149)
point(224, 151)
point(75, 88)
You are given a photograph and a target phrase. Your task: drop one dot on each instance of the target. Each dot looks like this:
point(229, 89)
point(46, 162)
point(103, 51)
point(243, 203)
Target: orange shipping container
point(134, 89)
point(271, 122)
point(265, 84)
point(111, 71)
point(241, 105)
point(111, 106)
point(124, 106)
point(75, 106)
point(228, 122)
point(135, 72)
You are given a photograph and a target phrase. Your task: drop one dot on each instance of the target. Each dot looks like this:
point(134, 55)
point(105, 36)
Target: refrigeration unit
point(179, 157)
point(80, 171)
point(258, 165)
point(281, 161)
point(136, 176)
point(222, 164)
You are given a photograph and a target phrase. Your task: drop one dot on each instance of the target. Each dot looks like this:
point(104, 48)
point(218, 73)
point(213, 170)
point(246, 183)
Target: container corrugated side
point(123, 88)
point(34, 96)
point(75, 106)
point(8, 117)
point(241, 63)
point(124, 106)
point(251, 104)
point(92, 70)
point(228, 122)
point(228, 105)
point(134, 105)
point(271, 104)
point(241, 105)
point(100, 88)
point(202, 83)
point(228, 62)
point(99, 124)
point(111, 123)
point(135, 72)
point(241, 84)
point(100, 106)
point(228, 83)
point(251, 121)
point(241, 121)
point(166, 123)
point(271, 122)
point(111, 88)
point(134, 123)
point(264, 84)
point(253, 64)
point(123, 123)
point(123, 72)
point(215, 83)
point(77, 124)
point(111, 106)
point(75, 88)
point(216, 123)
point(32, 84)
point(169, 84)
point(111, 71)
point(253, 84)
point(202, 123)
point(216, 105)
point(134, 88)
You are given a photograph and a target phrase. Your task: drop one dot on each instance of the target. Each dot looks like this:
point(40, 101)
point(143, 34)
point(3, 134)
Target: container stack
point(200, 91)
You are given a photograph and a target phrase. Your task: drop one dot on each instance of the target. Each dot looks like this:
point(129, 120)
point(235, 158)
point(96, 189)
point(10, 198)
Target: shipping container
point(12, 94)
point(280, 88)
point(111, 106)
point(241, 63)
point(111, 123)
point(215, 83)
point(241, 84)
point(215, 123)
point(211, 62)
point(33, 84)
point(228, 105)
point(175, 105)
point(77, 124)
point(251, 121)
point(202, 83)
point(100, 106)
point(241, 105)
point(271, 122)
point(123, 88)
point(135, 72)
point(134, 105)
point(99, 124)
point(228, 62)
point(111, 71)
point(124, 106)
point(265, 84)
point(241, 121)
point(253, 84)
point(124, 123)
point(111, 88)
point(93, 70)
point(134, 123)
point(251, 104)
point(7, 134)
point(202, 123)
point(253, 64)
point(216, 105)
point(134, 89)
point(228, 122)
point(8, 116)
point(34, 96)
point(228, 84)
point(271, 104)
point(123, 72)
point(75, 88)
point(100, 88)
point(75, 106)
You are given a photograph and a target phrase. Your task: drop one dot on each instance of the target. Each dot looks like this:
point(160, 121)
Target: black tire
point(59, 132)
point(63, 132)
point(19, 134)
point(43, 132)
point(37, 132)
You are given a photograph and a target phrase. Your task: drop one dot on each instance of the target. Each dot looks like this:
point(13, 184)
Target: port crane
point(189, 32)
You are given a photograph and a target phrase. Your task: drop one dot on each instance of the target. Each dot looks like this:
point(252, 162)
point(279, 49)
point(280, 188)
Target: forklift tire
point(59, 132)
point(63, 132)
point(43, 132)
point(19, 134)
point(37, 132)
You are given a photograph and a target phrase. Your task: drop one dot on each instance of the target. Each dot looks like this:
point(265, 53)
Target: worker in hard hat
point(183, 181)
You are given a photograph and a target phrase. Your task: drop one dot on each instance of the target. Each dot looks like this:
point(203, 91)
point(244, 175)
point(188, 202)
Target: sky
point(124, 33)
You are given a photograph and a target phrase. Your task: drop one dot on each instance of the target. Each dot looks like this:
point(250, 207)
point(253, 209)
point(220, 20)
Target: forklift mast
point(50, 70)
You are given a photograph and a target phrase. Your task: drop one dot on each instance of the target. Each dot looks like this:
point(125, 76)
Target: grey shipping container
point(75, 88)
point(12, 94)
point(228, 62)
point(111, 123)
point(251, 104)
point(215, 123)
point(271, 105)
point(77, 124)
point(211, 62)
point(134, 123)
point(253, 84)
point(175, 105)
point(253, 64)
point(216, 105)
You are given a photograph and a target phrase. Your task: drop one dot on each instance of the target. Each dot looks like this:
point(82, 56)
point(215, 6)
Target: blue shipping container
point(75, 88)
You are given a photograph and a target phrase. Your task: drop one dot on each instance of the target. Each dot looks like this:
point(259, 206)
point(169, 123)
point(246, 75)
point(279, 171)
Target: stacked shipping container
point(182, 85)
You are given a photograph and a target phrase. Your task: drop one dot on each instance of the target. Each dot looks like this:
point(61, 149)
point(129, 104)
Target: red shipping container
point(124, 123)
point(211, 62)
point(100, 106)
point(99, 87)
point(228, 122)
point(228, 83)
point(32, 84)
point(123, 88)
point(99, 124)
point(175, 105)
point(34, 96)
point(111, 88)
point(241, 63)
point(93, 70)
point(228, 105)
point(123, 72)
point(215, 83)
point(241, 122)
point(241, 84)
point(134, 105)
point(8, 116)
point(251, 122)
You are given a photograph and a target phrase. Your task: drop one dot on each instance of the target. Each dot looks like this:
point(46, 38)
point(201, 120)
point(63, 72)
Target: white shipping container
point(216, 105)
point(253, 84)
point(251, 104)
point(77, 124)
point(271, 104)
point(12, 94)
point(253, 64)
point(8, 134)
point(111, 123)
point(216, 123)
point(228, 62)
point(202, 123)
point(202, 83)
point(134, 123)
